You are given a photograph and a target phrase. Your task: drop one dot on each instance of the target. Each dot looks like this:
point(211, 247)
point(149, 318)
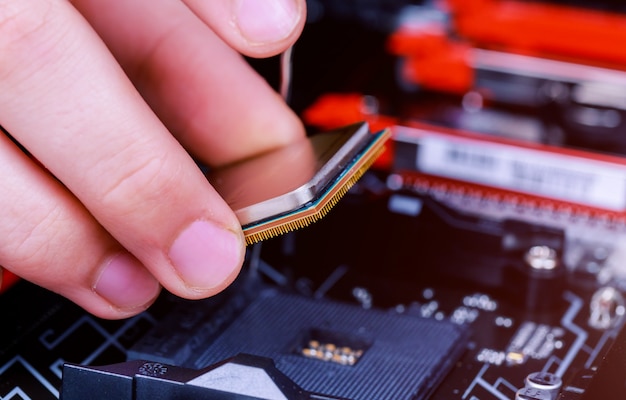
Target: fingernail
point(206, 255)
point(125, 283)
point(266, 21)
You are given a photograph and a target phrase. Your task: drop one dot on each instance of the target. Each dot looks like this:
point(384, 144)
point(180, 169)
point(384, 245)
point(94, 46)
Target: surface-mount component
point(294, 186)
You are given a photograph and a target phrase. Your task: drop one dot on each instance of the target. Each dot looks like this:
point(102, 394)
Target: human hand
point(106, 96)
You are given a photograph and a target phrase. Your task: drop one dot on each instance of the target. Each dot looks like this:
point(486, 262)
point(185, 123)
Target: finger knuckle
point(141, 185)
point(18, 22)
point(29, 244)
point(25, 32)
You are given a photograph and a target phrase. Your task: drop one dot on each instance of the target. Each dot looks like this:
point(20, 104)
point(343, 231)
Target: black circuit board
point(490, 367)
point(501, 340)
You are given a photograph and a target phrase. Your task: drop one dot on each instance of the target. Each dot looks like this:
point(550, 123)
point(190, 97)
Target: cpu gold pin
point(296, 185)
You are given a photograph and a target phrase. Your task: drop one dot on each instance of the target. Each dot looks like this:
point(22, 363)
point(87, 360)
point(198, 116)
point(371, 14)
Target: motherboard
point(482, 256)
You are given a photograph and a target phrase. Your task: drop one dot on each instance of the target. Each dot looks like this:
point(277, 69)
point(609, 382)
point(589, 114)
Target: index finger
point(64, 97)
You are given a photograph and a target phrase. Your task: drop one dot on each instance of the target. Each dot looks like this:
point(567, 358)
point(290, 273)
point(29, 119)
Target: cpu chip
point(296, 185)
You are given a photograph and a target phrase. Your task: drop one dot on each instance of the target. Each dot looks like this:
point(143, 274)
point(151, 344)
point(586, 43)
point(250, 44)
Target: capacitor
point(541, 258)
point(537, 281)
point(529, 393)
point(545, 381)
point(606, 308)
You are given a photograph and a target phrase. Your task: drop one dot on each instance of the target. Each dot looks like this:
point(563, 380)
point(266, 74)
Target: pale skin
point(113, 99)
